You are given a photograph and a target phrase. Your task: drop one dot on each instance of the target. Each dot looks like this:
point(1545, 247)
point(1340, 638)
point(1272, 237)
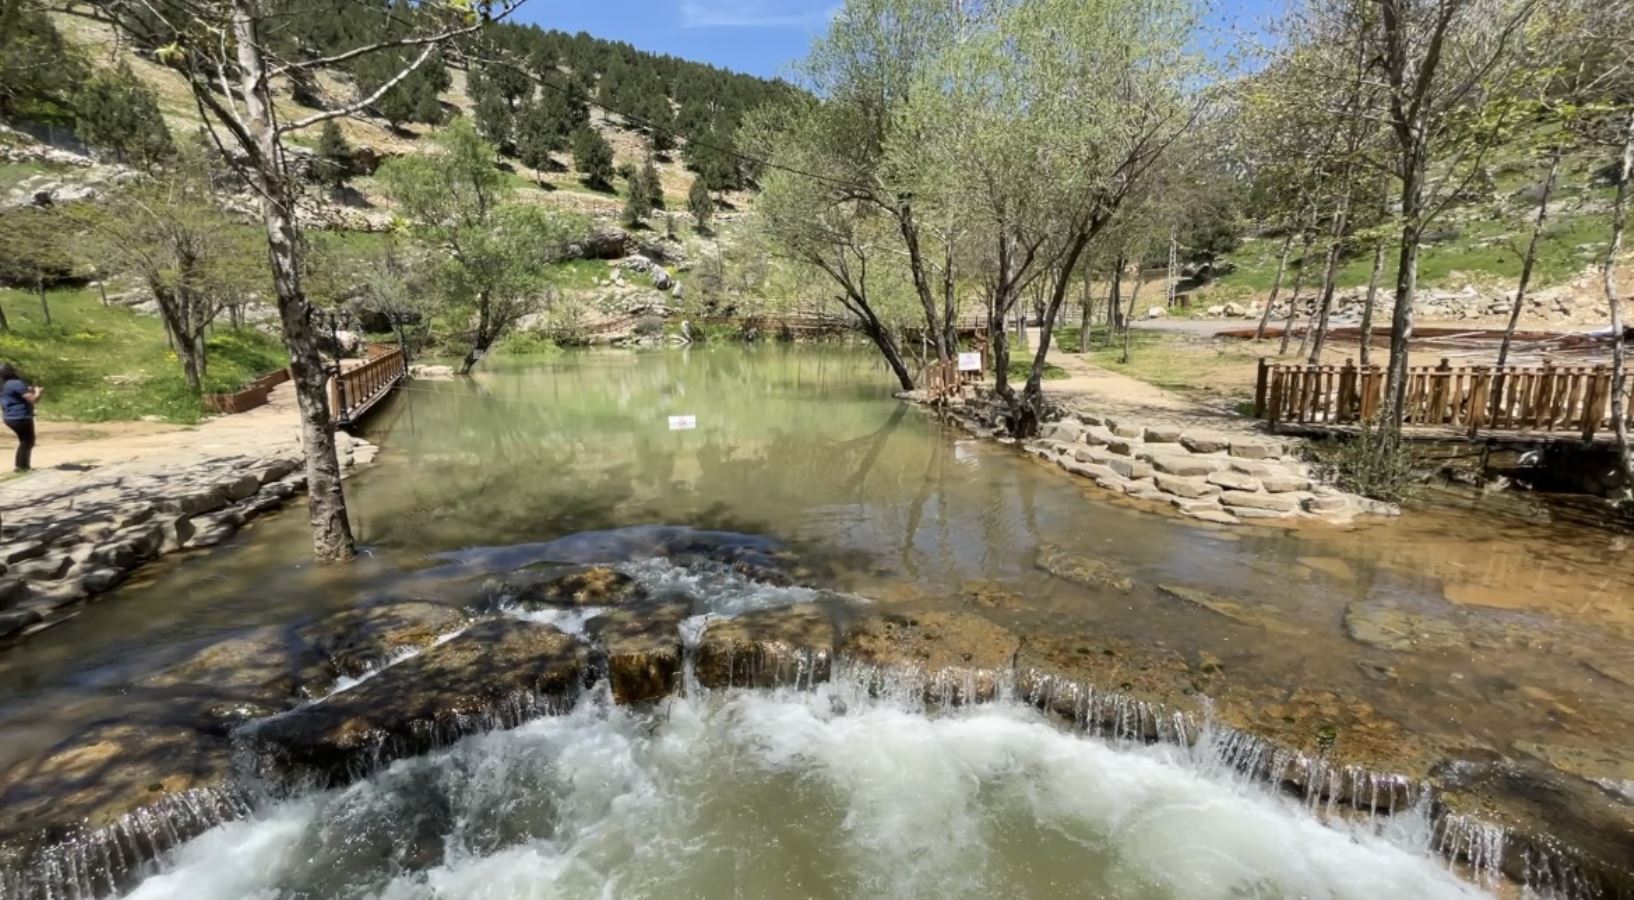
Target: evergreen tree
point(116, 112)
point(638, 198)
point(38, 68)
point(700, 204)
point(414, 99)
point(538, 135)
point(495, 120)
point(654, 185)
point(333, 162)
point(593, 157)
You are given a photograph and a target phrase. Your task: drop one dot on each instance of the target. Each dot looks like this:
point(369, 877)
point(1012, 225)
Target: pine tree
point(700, 204)
point(538, 135)
point(118, 113)
point(653, 184)
point(333, 162)
point(593, 157)
point(638, 199)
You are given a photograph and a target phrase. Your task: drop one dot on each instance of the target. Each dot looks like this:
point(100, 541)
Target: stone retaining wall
point(1216, 476)
point(71, 544)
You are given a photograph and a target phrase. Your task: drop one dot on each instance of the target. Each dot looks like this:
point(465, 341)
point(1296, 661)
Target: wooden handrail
point(1471, 398)
point(358, 389)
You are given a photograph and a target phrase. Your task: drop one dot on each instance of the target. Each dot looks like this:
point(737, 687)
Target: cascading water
point(836, 791)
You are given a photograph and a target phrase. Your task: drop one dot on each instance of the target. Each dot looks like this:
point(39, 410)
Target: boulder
point(767, 648)
point(1233, 310)
point(1186, 486)
point(963, 656)
point(1123, 446)
point(1161, 434)
point(1156, 312)
point(1216, 310)
point(1129, 468)
point(1213, 514)
point(497, 673)
point(1098, 435)
point(603, 243)
point(1282, 484)
point(661, 278)
point(1099, 455)
point(1254, 448)
point(1065, 430)
point(1085, 570)
point(264, 667)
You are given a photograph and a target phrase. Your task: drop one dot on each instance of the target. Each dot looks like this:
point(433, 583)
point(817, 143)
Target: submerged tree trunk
point(1531, 257)
point(1619, 349)
point(332, 539)
point(483, 339)
point(1276, 285)
point(1293, 300)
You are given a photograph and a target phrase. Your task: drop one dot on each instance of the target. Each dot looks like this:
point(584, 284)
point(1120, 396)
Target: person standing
point(17, 399)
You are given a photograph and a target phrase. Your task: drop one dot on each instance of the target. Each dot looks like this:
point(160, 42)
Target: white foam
point(780, 793)
point(569, 619)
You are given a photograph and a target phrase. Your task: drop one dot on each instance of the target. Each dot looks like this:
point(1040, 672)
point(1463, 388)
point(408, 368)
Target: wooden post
point(1260, 386)
point(1345, 404)
point(1479, 386)
point(1438, 392)
point(1278, 377)
point(102, 289)
point(1593, 398)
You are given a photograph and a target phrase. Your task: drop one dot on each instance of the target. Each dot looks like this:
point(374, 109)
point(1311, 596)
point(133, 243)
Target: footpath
point(96, 509)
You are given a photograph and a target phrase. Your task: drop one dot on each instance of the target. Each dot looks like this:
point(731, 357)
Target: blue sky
point(757, 36)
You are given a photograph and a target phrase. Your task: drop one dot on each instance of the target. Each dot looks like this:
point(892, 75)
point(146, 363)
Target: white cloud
point(755, 13)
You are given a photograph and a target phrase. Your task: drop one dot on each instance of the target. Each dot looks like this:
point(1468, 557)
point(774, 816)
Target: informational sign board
point(970, 362)
point(683, 423)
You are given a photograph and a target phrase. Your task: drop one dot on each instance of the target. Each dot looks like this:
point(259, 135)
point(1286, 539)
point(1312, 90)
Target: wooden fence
point(360, 388)
point(1545, 398)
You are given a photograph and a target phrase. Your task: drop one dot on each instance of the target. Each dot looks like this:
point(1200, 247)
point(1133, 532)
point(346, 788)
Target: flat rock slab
point(963, 655)
point(1108, 685)
point(1253, 615)
point(1282, 503)
point(1186, 486)
point(358, 640)
point(1183, 465)
point(1205, 441)
point(767, 648)
point(497, 673)
point(1086, 570)
point(574, 586)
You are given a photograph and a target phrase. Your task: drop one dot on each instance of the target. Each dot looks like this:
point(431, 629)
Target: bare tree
point(220, 47)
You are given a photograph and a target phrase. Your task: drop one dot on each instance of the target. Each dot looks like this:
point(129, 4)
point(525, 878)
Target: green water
point(806, 447)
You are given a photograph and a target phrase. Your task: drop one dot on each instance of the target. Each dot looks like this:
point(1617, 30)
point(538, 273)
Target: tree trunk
point(1085, 313)
point(1276, 285)
point(1330, 275)
point(45, 306)
point(1367, 305)
point(1401, 318)
point(332, 539)
point(1619, 349)
point(1531, 257)
point(1293, 301)
point(1114, 299)
point(921, 280)
point(1128, 319)
point(950, 301)
point(483, 338)
point(5, 325)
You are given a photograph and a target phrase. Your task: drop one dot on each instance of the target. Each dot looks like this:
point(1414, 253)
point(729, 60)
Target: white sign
point(970, 362)
point(683, 423)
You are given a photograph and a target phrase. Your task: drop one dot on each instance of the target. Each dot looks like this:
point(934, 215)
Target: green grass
point(86, 344)
point(13, 174)
point(1171, 361)
point(1022, 369)
point(577, 274)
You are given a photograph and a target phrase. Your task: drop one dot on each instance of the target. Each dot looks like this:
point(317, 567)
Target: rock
point(604, 243)
point(1182, 464)
point(1156, 312)
point(1283, 484)
point(357, 641)
point(20, 551)
point(1393, 628)
point(1205, 441)
point(215, 528)
point(1272, 502)
point(1248, 467)
point(1234, 311)
point(1087, 470)
point(1161, 434)
point(13, 590)
point(14, 621)
point(1098, 435)
point(195, 503)
point(1065, 430)
point(1215, 515)
point(177, 531)
point(767, 648)
point(1099, 455)
point(1113, 483)
point(97, 776)
point(1129, 468)
point(1235, 481)
point(45, 568)
point(498, 672)
point(661, 279)
point(964, 656)
point(1239, 611)
point(264, 667)
point(1611, 769)
point(1249, 512)
point(575, 586)
point(1126, 429)
point(431, 373)
point(1108, 686)
point(241, 487)
point(1215, 311)
point(1097, 573)
point(1186, 505)
point(1186, 486)
point(1254, 448)
point(642, 643)
point(101, 579)
point(1123, 446)
point(1327, 505)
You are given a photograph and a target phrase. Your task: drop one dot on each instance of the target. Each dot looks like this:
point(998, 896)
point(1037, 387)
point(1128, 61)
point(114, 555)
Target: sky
point(761, 37)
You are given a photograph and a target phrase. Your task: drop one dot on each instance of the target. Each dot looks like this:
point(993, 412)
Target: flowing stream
point(799, 453)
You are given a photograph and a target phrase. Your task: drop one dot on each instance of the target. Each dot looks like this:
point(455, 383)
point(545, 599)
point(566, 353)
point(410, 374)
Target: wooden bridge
point(1540, 403)
point(359, 388)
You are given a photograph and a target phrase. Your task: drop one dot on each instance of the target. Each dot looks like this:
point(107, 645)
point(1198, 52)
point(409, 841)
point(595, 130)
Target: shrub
point(1373, 463)
point(115, 112)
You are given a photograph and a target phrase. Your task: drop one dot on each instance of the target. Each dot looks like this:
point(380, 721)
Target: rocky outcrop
point(70, 539)
point(794, 645)
point(641, 648)
point(1088, 571)
point(497, 673)
point(960, 657)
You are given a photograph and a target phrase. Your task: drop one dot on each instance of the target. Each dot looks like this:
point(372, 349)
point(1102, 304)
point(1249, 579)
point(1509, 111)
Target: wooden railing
point(360, 388)
point(1544, 398)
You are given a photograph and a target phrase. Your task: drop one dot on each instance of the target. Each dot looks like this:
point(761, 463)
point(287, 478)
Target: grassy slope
point(86, 345)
